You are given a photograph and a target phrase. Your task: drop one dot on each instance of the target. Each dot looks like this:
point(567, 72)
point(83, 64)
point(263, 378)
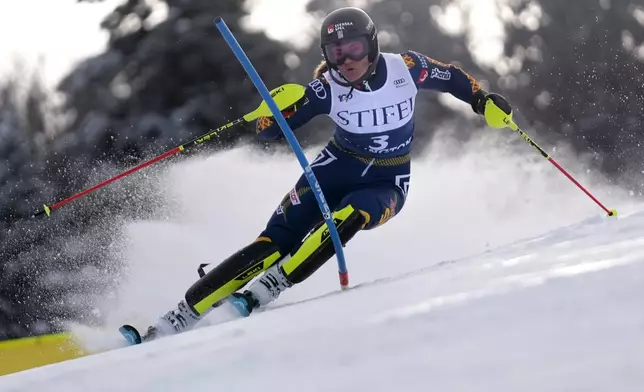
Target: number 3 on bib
point(380, 143)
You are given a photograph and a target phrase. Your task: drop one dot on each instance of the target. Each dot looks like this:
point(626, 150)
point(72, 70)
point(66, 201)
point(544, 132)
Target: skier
point(364, 171)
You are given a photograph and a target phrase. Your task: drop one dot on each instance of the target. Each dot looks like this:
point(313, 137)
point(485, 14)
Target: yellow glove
point(495, 108)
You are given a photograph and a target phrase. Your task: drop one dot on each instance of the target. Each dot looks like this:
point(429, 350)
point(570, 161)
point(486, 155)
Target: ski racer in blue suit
point(364, 170)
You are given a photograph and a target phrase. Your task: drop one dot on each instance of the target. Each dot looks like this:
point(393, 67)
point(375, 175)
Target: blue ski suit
point(367, 163)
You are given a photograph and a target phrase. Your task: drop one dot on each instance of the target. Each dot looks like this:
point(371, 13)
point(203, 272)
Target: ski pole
point(284, 96)
point(497, 118)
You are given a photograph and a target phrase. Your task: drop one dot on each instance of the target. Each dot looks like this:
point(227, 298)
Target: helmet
point(349, 32)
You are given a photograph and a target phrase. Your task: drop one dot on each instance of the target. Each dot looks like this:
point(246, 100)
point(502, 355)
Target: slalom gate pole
point(292, 140)
point(506, 120)
point(286, 95)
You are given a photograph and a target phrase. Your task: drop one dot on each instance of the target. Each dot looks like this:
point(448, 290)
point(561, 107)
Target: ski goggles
point(352, 48)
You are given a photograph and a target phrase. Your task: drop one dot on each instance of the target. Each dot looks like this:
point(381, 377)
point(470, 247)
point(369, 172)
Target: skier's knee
point(377, 205)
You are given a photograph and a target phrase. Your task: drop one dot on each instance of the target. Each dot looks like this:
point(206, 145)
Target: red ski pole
point(497, 118)
point(284, 96)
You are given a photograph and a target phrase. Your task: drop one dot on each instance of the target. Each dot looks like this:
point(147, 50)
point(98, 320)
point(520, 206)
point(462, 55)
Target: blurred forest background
point(573, 70)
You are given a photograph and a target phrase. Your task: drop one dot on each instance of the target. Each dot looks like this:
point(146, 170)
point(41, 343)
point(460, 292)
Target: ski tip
point(130, 334)
point(240, 304)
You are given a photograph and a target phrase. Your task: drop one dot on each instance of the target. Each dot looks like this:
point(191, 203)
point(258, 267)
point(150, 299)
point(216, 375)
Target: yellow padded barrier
point(27, 353)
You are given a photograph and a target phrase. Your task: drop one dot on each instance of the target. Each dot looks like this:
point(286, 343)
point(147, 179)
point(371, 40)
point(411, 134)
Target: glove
point(494, 107)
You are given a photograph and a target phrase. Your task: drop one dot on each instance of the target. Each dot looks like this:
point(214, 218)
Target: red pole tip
point(344, 280)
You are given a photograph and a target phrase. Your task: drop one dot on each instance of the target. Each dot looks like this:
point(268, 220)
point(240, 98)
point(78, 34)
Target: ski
point(134, 337)
point(131, 334)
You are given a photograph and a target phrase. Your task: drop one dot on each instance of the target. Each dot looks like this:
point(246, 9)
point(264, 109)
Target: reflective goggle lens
point(354, 49)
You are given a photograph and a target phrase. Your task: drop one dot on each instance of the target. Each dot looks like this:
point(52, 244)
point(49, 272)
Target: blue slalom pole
point(295, 145)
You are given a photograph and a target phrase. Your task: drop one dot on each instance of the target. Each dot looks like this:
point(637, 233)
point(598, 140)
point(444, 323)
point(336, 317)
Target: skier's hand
point(495, 108)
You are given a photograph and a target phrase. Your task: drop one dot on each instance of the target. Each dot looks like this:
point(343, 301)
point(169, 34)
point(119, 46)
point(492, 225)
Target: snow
point(498, 275)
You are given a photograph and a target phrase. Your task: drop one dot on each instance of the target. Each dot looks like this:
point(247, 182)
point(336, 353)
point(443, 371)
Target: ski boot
point(173, 322)
point(262, 291)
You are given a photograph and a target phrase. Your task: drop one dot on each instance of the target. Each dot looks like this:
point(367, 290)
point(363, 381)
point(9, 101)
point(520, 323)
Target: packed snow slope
point(498, 275)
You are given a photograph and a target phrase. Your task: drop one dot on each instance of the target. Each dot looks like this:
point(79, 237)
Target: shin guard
point(317, 248)
point(232, 274)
